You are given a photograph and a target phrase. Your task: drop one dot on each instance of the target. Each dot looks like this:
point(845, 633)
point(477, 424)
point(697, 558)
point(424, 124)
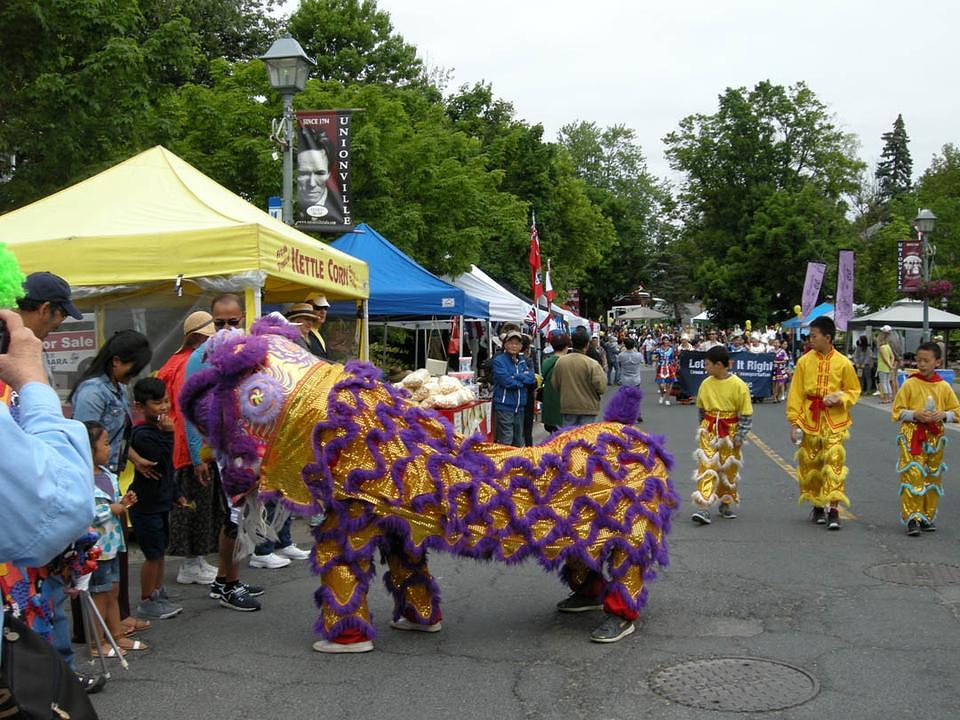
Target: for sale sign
point(75, 341)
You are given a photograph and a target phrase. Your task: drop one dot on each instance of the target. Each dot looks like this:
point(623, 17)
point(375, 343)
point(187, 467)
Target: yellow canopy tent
point(154, 233)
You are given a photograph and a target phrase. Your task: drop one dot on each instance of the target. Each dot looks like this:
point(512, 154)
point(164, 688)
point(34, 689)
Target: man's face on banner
point(313, 170)
point(912, 265)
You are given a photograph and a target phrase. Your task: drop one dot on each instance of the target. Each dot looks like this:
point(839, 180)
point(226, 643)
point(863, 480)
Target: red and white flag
point(548, 285)
point(535, 264)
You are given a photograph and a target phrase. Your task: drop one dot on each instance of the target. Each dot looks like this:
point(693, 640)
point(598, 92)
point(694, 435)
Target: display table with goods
point(454, 400)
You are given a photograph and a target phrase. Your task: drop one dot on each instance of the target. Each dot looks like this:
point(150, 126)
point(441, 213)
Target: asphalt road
point(767, 585)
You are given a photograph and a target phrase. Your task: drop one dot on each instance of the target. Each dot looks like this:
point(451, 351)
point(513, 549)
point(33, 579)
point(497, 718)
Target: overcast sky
point(647, 64)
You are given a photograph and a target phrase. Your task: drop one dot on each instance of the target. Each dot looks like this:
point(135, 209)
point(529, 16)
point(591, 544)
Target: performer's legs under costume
point(416, 596)
point(622, 596)
point(821, 468)
point(718, 464)
point(920, 476)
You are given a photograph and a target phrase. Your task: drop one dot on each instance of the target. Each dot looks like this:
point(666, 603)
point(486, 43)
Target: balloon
point(798, 311)
point(748, 325)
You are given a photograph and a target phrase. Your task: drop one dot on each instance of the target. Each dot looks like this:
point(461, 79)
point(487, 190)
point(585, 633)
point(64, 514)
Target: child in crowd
point(665, 359)
point(923, 404)
point(150, 517)
point(104, 584)
point(726, 414)
point(781, 373)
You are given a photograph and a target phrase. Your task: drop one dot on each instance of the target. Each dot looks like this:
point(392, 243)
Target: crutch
point(92, 619)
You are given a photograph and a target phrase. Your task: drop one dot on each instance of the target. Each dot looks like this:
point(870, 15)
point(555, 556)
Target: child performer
point(105, 583)
point(665, 358)
point(824, 388)
point(780, 361)
point(726, 414)
point(921, 407)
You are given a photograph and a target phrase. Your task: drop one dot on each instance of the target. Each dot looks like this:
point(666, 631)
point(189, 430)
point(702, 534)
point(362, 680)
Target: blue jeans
point(575, 420)
point(60, 635)
point(283, 534)
point(613, 373)
point(508, 427)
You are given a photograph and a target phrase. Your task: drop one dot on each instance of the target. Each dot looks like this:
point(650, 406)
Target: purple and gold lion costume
point(593, 502)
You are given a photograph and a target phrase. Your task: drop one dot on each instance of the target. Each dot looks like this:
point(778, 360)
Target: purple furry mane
point(275, 325)
point(624, 407)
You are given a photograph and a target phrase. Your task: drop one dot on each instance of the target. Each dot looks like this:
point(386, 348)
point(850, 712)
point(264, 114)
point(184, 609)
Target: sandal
point(135, 624)
point(134, 645)
point(110, 653)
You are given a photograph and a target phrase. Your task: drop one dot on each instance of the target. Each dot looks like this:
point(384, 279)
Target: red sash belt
point(922, 433)
point(816, 407)
point(723, 425)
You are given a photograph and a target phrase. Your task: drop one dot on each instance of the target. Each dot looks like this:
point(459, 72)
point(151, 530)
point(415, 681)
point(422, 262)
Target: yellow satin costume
point(821, 459)
point(723, 403)
point(921, 447)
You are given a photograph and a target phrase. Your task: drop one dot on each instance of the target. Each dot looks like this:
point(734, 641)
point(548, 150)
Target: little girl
point(104, 585)
point(781, 361)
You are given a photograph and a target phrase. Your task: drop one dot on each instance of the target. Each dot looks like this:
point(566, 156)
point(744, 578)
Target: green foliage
point(79, 82)
point(895, 167)
point(765, 180)
point(354, 42)
point(939, 190)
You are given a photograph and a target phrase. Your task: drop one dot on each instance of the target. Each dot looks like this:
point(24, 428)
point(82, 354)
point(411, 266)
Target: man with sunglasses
point(227, 312)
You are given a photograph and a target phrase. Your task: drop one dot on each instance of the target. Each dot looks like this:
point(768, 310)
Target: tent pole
point(384, 354)
point(251, 302)
point(460, 350)
point(365, 332)
point(416, 347)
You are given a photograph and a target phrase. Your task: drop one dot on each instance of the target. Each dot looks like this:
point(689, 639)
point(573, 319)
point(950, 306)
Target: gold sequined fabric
point(921, 483)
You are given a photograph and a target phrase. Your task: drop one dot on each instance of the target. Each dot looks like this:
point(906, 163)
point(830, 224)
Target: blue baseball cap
point(47, 287)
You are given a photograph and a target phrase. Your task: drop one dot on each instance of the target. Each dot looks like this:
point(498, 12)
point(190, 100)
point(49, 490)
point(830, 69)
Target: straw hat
point(200, 322)
point(301, 310)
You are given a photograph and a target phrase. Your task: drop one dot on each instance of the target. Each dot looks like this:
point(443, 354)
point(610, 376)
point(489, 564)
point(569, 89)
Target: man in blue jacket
point(511, 375)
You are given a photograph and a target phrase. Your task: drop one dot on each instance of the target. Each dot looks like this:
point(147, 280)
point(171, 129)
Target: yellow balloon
point(749, 325)
point(798, 311)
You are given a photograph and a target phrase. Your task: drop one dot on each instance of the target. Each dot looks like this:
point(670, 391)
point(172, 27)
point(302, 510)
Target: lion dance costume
point(391, 476)
point(922, 445)
point(821, 459)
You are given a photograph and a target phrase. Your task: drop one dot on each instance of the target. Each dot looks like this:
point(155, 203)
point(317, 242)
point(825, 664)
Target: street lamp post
point(924, 223)
point(288, 67)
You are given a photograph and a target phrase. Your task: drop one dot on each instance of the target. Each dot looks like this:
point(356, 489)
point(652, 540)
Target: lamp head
point(288, 66)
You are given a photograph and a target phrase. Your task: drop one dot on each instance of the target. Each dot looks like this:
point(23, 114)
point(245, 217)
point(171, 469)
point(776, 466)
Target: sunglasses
point(232, 322)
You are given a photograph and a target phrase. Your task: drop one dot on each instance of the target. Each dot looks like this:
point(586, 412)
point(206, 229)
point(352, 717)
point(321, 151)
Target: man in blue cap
point(46, 303)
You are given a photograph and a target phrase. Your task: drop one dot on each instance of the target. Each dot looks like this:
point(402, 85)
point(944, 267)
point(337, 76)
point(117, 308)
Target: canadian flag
point(535, 264)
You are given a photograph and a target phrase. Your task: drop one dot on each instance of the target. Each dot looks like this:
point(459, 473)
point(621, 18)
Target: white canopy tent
point(504, 305)
point(906, 314)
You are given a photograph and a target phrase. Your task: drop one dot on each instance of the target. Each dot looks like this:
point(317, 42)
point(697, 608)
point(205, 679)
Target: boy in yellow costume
point(824, 388)
point(726, 414)
point(921, 407)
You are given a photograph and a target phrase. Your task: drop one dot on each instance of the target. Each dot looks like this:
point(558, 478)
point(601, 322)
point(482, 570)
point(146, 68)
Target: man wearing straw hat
point(310, 316)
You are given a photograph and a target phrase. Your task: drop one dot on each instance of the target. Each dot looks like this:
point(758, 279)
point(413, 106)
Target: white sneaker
point(207, 567)
point(292, 552)
point(326, 646)
point(660, 400)
point(666, 402)
point(195, 573)
point(404, 624)
point(269, 562)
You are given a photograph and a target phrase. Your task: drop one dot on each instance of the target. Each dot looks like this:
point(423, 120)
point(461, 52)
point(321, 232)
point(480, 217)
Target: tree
point(765, 183)
point(612, 164)
point(354, 42)
point(895, 168)
point(78, 87)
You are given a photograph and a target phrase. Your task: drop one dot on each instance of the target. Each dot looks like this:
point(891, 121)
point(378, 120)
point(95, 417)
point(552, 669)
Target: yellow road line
point(788, 469)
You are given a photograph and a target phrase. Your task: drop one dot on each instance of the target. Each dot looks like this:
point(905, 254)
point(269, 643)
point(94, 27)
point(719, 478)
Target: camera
point(4, 338)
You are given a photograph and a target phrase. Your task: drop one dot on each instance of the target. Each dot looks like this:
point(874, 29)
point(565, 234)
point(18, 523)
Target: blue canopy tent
point(821, 309)
point(401, 289)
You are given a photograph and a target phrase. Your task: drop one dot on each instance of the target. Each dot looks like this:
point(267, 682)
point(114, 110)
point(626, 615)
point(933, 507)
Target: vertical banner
point(811, 286)
point(909, 266)
point(323, 171)
point(843, 310)
point(573, 300)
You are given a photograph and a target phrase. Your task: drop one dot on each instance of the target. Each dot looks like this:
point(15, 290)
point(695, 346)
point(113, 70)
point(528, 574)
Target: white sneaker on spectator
point(292, 552)
point(195, 573)
point(269, 562)
point(207, 567)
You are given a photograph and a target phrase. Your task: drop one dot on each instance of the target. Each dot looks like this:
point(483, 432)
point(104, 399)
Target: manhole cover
point(735, 684)
point(915, 573)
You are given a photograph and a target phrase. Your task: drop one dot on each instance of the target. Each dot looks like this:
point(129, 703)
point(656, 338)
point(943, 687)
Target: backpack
point(35, 683)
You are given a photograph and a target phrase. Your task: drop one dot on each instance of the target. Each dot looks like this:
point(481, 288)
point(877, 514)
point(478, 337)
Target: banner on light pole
point(811, 286)
point(322, 171)
point(909, 266)
point(843, 310)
